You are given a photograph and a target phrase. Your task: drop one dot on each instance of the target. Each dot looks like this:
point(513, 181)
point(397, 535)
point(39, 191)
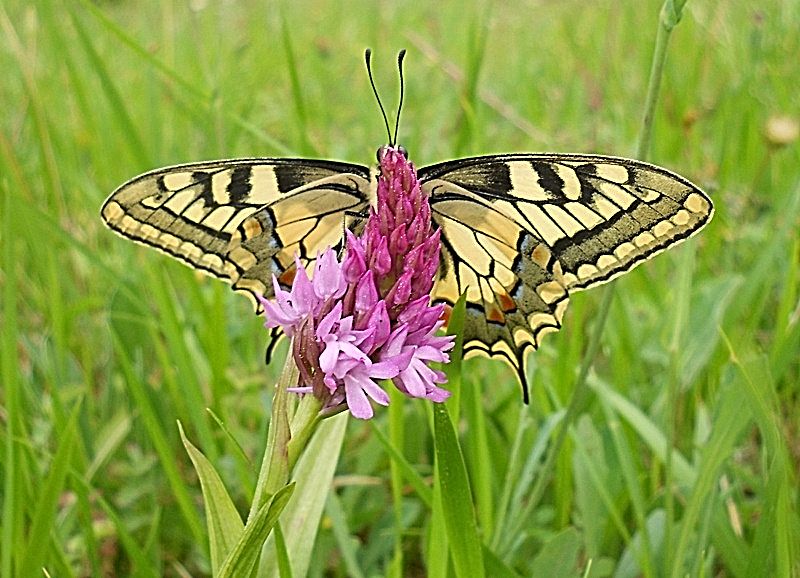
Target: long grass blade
point(46, 508)
point(459, 515)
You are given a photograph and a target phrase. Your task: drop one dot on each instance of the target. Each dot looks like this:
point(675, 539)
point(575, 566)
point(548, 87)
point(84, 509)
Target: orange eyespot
point(446, 313)
point(494, 314)
point(287, 277)
point(506, 302)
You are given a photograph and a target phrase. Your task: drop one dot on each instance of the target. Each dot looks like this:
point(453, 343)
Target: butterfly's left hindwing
point(522, 231)
point(241, 220)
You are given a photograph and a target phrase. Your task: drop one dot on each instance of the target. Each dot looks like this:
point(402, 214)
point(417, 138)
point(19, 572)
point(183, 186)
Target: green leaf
point(774, 547)
point(245, 553)
point(628, 467)
point(731, 419)
point(437, 559)
point(141, 566)
point(459, 514)
point(654, 530)
point(284, 566)
point(524, 464)
point(478, 452)
point(558, 558)
point(274, 471)
point(496, 567)
point(13, 469)
point(409, 473)
point(702, 334)
point(301, 115)
point(224, 525)
point(158, 437)
point(455, 326)
point(348, 545)
point(113, 94)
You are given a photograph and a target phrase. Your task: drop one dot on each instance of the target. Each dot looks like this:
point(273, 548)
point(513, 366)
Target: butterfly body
point(519, 232)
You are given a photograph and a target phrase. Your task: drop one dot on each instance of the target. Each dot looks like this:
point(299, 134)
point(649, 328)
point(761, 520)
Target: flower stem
point(289, 434)
point(670, 15)
point(274, 473)
point(304, 424)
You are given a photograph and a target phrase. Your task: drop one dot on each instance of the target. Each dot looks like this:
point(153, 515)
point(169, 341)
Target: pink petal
point(326, 325)
point(352, 351)
point(389, 369)
point(395, 343)
point(328, 281)
point(357, 400)
point(413, 382)
point(303, 298)
point(354, 263)
point(378, 319)
point(401, 290)
point(329, 357)
point(428, 353)
point(381, 259)
point(372, 389)
point(346, 365)
point(345, 325)
point(437, 394)
point(398, 243)
point(366, 292)
point(330, 382)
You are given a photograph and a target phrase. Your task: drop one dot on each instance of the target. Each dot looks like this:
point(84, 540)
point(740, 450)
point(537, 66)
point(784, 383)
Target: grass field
point(682, 456)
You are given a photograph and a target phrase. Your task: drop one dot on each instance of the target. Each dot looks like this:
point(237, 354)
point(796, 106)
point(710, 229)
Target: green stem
point(286, 440)
point(669, 17)
point(673, 557)
point(274, 473)
point(304, 424)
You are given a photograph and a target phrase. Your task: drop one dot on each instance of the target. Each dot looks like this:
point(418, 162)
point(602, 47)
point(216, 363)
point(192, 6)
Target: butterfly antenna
point(367, 57)
point(400, 57)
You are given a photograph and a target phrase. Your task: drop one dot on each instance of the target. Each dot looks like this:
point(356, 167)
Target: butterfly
point(520, 232)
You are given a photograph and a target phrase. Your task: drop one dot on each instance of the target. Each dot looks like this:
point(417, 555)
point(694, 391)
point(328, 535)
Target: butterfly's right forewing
point(240, 220)
point(522, 231)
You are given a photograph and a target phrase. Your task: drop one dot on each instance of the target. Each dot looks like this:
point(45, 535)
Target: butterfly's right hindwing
point(514, 288)
point(240, 220)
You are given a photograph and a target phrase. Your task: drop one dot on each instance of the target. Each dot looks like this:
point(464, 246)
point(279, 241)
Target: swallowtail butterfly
point(520, 232)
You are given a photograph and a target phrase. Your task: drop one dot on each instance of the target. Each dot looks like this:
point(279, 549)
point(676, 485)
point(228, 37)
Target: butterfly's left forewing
point(527, 229)
point(241, 220)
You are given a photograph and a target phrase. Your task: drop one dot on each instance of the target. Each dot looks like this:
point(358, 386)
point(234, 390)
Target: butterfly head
point(393, 149)
point(391, 159)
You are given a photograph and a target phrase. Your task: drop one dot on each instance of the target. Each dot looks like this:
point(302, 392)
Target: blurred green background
point(105, 344)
